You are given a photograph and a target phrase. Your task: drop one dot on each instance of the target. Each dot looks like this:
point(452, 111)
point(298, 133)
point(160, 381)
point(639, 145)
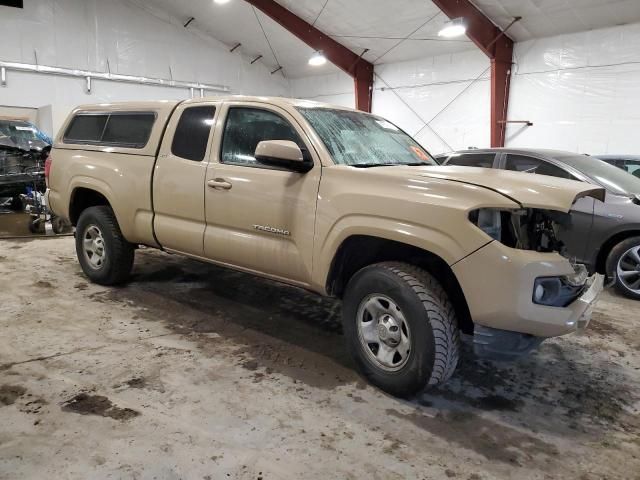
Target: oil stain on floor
point(86, 404)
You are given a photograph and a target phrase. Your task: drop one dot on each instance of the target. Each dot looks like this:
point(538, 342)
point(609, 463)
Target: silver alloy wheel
point(383, 332)
point(628, 269)
point(93, 247)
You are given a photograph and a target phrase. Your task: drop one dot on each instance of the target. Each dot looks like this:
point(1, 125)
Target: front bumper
point(498, 282)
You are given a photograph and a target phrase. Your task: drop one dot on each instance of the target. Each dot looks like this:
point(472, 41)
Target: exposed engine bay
point(524, 229)
point(536, 230)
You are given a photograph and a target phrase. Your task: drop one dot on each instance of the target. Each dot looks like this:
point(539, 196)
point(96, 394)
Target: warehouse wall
point(85, 34)
point(580, 91)
point(336, 89)
point(450, 92)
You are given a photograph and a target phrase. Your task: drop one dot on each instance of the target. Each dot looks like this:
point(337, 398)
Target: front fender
point(440, 243)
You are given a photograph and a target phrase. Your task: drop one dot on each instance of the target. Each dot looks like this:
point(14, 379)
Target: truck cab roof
point(170, 104)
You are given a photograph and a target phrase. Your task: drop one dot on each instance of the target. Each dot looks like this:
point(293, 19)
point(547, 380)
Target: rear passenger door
point(575, 236)
point(179, 178)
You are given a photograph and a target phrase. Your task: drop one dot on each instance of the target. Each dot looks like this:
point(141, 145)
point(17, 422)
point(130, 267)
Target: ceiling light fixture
point(317, 59)
point(453, 28)
point(221, 2)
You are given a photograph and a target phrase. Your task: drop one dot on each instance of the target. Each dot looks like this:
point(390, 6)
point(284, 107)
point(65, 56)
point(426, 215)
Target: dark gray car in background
point(605, 236)
point(628, 163)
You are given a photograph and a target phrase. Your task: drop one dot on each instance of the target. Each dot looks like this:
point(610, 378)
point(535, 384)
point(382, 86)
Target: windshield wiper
point(370, 165)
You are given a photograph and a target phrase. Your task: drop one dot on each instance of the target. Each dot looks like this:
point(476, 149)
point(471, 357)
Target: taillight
point(47, 169)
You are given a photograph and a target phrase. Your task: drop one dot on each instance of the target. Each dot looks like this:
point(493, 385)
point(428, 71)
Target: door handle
point(219, 184)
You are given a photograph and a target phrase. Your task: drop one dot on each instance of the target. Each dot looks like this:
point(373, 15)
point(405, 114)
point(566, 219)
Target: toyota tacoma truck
point(335, 201)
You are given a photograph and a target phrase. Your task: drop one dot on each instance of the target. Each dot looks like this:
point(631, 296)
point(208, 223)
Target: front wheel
point(104, 254)
point(400, 327)
point(623, 263)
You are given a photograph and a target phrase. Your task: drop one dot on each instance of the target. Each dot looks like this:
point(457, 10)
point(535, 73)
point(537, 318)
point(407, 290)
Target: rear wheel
point(35, 225)
point(104, 254)
point(59, 225)
point(400, 327)
point(624, 264)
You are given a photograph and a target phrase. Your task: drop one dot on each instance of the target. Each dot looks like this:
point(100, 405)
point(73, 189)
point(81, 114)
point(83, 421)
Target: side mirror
point(283, 153)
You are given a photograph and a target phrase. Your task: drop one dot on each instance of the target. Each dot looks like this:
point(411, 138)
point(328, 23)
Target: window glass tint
point(192, 133)
point(128, 129)
point(614, 179)
point(86, 128)
point(246, 127)
point(484, 160)
point(632, 166)
point(521, 163)
point(123, 129)
point(18, 130)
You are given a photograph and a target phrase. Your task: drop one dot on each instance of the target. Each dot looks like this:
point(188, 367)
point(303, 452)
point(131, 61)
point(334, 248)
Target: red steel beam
point(353, 65)
point(495, 45)
point(500, 81)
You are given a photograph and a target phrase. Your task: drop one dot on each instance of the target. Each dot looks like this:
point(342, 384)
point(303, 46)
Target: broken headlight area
point(560, 291)
point(537, 230)
point(524, 229)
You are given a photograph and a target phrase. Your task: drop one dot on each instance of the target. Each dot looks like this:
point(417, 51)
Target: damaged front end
point(23, 151)
point(525, 229)
point(536, 230)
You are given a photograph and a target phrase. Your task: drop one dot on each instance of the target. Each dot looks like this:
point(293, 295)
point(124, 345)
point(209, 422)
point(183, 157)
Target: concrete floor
point(191, 371)
point(13, 224)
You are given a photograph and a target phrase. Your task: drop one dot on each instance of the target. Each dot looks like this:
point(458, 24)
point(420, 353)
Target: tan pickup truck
point(337, 202)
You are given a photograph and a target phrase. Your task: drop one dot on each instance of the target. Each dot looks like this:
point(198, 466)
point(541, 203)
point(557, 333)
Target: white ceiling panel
point(236, 22)
point(545, 18)
point(391, 31)
point(380, 26)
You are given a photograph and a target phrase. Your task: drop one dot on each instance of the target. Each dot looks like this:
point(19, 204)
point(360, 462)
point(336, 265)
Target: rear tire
point(621, 262)
point(58, 225)
point(410, 305)
point(35, 225)
point(104, 254)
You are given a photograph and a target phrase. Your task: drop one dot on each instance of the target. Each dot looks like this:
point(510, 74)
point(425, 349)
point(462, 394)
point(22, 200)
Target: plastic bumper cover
point(498, 282)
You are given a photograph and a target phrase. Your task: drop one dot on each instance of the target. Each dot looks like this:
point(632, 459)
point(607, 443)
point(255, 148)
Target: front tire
point(623, 264)
point(400, 327)
point(104, 254)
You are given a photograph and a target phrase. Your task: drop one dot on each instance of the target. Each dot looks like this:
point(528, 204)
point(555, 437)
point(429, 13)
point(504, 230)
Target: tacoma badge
point(279, 231)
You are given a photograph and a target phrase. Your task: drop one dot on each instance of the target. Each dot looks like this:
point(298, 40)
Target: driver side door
point(259, 218)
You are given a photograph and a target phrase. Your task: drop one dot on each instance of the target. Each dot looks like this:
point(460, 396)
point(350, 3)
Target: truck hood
point(527, 189)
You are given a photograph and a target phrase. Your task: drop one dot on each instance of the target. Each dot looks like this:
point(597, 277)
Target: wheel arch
point(358, 251)
point(83, 197)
